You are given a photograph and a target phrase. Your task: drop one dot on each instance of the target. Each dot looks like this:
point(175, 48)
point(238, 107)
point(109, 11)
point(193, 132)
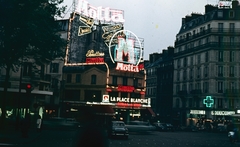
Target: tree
point(28, 28)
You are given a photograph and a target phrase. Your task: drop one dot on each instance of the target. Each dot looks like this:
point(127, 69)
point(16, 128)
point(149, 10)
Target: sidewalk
point(13, 137)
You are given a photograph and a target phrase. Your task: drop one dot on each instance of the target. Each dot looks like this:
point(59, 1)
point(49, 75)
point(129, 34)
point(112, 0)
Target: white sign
point(99, 13)
point(197, 112)
point(222, 112)
point(130, 100)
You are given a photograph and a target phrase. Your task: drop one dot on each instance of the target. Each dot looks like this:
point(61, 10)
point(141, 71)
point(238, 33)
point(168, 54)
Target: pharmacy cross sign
point(208, 101)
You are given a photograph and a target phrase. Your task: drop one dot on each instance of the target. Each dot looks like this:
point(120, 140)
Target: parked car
point(233, 135)
point(140, 126)
point(118, 128)
point(164, 127)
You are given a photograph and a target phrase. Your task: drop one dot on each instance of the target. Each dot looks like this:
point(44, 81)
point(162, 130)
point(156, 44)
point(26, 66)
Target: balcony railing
point(215, 31)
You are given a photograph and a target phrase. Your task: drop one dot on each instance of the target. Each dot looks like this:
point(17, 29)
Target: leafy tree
point(28, 28)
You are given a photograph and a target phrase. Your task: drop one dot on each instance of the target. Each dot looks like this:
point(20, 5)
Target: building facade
point(206, 67)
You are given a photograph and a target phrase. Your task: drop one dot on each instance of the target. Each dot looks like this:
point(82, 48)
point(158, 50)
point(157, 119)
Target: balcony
point(214, 31)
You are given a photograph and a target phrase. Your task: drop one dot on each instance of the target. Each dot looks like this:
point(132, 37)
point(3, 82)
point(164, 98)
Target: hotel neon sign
point(99, 13)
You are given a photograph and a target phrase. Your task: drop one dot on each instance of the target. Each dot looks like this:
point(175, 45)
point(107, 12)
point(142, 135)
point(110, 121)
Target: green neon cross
point(208, 101)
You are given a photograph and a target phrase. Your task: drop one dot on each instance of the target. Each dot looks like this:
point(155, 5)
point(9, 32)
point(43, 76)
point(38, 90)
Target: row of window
point(125, 80)
point(220, 87)
point(221, 56)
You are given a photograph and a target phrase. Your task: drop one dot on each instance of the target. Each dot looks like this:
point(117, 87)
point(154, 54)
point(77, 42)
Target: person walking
point(39, 123)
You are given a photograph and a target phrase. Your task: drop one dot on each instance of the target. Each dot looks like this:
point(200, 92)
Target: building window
point(220, 103)
point(232, 54)
point(69, 78)
point(190, 87)
point(54, 83)
point(206, 57)
point(206, 71)
point(220, 41)
point(78, 78)
point(231, 103)
point(199, 59)
point(27, 69)
point(220, 87)
point(199, 72)
point(205, 87)
point(178, 63)
point(177, 88)
point(232, 41)
point(184, 75)
point(220, 56)
point(232, 87)
point(231, 74)
point(114, 80)
point(191, 60)
point(220, 14)
point(220, 27)
point(54, 67)
point(231, 14)
point(178, 76)
point(231, 27)
point(93, 79)
point(191, 74)
point(220, 71)
point(185, 62)
point(124, 81)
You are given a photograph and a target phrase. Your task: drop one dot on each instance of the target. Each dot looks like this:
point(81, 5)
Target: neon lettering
point(96, 13)
point(127, 67)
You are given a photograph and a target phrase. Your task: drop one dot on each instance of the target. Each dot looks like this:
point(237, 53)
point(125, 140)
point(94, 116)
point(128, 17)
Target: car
point(191, 128)
point(164, 127)
point(140, 126)
point(118, 128)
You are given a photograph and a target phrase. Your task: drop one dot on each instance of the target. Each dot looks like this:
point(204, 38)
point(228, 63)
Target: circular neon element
point(125, 47)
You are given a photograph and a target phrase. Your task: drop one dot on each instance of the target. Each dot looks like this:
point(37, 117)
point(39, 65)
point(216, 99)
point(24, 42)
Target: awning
point(151, 111)
point(103, 110)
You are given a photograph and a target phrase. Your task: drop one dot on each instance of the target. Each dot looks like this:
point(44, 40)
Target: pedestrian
point(39, 123)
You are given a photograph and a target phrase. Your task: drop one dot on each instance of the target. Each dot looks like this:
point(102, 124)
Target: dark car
point(191, 128)
point(118, 128)
point(164, 127)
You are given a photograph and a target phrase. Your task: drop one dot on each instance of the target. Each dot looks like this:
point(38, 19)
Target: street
point(64, 138)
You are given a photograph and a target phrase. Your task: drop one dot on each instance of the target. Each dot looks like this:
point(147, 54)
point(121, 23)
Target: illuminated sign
point(127, 67)
point(109, 31)
point(91, 53)
point(120, 104)
point(222, 112)
point(129, 100)
point(197, 112)
point(99, 13)
point(105, 99)
point(224, 3)
point(127, 50)
point(125, 88)
point(208, 101)
point(94, 60)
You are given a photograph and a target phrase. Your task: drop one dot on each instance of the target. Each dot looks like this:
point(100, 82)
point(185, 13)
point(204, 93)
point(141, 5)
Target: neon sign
point(208, 101)
point(99, 13)
point(91, 53)
point(125, 88)
point(127, 51)
point(222, 112)
point(127, 67)
point(94, 60)
point(129, 100)
point(128, 105)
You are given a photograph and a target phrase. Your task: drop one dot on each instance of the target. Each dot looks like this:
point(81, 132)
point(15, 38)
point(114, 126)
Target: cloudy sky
point(156, 21)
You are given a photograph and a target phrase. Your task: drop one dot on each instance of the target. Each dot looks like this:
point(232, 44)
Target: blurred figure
point(39, 123)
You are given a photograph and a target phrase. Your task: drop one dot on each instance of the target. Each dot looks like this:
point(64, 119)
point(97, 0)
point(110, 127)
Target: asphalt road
point(64, 138)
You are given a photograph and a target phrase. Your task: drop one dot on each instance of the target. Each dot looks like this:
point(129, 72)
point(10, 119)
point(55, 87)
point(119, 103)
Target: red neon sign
point(128, 105)
point(125, 88)
point(94, 60)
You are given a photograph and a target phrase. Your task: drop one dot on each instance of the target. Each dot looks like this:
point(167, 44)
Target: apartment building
point(206, 66)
